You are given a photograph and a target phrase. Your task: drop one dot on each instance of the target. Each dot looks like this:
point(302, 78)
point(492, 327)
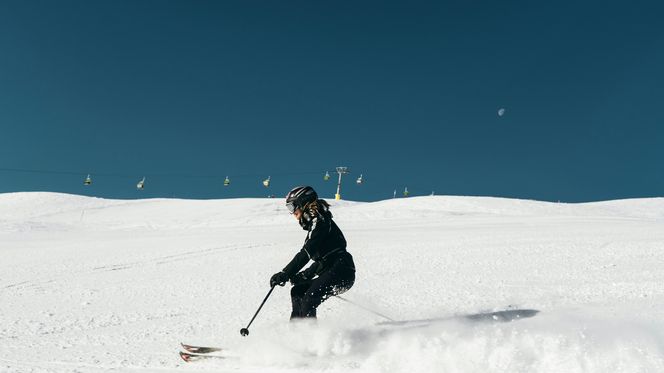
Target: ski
point(189, 357)
point(199, 349)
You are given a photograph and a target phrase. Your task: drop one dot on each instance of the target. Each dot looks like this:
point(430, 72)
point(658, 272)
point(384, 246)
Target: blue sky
point(406, 93)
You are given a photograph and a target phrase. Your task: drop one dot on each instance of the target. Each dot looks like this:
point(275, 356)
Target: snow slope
point(94, 285)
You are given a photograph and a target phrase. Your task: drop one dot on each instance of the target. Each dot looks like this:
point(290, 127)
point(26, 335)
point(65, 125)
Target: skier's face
point(297, 214)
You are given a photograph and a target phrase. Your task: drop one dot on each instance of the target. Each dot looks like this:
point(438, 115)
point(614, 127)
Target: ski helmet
point(299, 197)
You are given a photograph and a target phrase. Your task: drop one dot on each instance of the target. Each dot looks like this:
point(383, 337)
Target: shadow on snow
point(496, 316)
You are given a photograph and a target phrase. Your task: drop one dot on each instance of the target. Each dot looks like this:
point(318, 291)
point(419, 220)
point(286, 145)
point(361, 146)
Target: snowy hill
point(95, 285)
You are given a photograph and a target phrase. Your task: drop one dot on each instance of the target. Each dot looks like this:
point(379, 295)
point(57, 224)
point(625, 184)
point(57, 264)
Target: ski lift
point(266, 182)
point(327, 176)
point(405, 192)
point(141, 184)
point(88, 180)
point(227, 181)
point(359, 180)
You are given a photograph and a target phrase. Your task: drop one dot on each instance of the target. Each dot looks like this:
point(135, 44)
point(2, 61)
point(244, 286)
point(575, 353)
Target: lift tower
point(341, 171)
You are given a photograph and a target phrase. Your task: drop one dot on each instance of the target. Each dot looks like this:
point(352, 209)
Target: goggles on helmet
point(291, 206)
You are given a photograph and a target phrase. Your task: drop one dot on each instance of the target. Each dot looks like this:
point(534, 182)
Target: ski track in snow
point(94, 285)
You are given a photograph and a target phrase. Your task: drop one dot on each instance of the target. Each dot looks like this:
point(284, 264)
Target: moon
point(501, 112)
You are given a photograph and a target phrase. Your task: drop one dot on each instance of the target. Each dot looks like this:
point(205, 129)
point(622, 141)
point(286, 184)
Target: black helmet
point(300, 197)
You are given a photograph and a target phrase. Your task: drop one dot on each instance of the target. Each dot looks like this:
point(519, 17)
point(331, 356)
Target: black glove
point(310, 272)
point(306, 275)
point(278, 279)
point(299, 278)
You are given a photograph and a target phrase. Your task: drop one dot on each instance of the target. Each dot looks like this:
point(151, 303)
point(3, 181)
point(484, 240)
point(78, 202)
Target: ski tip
point(199, 349)
point(185, 356)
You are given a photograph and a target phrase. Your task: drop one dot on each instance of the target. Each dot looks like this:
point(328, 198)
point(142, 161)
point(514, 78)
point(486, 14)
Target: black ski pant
point(306, 296)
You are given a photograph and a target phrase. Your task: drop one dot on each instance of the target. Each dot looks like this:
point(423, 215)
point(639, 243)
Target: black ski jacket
point(324, 244)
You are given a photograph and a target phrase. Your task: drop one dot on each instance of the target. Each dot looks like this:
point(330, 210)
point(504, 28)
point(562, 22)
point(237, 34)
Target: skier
point(332, 271)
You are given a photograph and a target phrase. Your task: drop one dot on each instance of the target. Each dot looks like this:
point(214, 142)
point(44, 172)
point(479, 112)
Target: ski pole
point(364, 308)
point(245, 331)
